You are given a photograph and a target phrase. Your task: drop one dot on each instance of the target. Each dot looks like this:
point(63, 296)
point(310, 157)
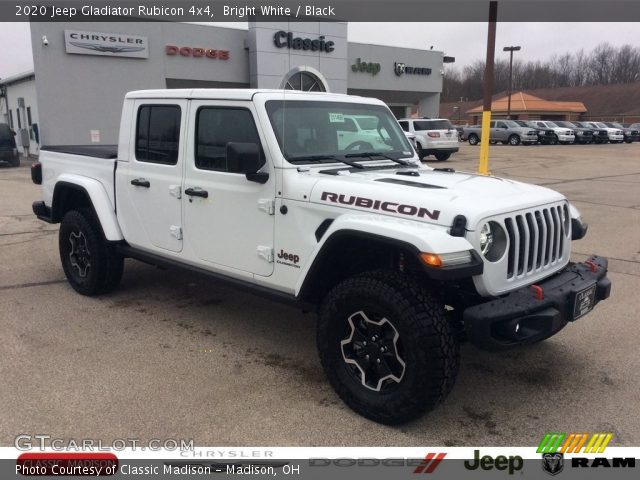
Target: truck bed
point(78, 164)
point(98, 151)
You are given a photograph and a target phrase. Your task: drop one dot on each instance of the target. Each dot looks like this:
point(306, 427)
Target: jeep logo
point(289, 257)
point(511, 464)
point(391, 207)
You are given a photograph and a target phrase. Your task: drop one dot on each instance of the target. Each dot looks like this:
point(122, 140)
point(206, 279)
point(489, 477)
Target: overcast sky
point(465, 41)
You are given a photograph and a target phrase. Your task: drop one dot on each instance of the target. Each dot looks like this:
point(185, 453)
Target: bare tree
point(602, 66)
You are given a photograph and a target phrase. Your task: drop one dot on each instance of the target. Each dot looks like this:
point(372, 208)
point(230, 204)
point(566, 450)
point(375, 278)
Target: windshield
point(615, 125)
point(311, 131)
point(564, 124)
point(550, 124)
point(601, 125)
point(432, 125)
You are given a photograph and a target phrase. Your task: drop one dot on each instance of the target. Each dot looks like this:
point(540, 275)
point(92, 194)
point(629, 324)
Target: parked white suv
point(565, 135)
point(434, 136)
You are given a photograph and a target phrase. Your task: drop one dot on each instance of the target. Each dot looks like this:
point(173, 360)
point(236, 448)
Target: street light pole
point(510, 50)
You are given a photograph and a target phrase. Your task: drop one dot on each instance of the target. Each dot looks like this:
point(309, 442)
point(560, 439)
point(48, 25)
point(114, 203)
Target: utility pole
point(510, 50)
point(483, 168)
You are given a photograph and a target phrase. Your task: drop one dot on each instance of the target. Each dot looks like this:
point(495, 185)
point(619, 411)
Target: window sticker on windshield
point(336, 118)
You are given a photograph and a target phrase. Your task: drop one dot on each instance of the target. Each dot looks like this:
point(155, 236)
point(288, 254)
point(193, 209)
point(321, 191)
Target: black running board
point(163, 262)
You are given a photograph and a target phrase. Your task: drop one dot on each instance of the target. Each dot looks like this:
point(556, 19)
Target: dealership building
point(83, 70)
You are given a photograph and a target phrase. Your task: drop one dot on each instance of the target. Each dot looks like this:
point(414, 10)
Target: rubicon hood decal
point(391, 207)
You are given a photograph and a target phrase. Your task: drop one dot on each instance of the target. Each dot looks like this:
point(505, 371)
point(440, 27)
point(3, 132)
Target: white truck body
point(274, 191)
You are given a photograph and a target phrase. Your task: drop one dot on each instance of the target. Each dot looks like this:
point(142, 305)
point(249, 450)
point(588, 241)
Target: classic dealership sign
point(284, 39)
point(106, 44)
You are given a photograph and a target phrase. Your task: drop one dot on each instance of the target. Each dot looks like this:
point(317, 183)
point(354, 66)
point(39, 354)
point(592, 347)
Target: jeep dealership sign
point(106, 44)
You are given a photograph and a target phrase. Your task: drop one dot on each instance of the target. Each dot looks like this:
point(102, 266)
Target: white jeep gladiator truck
point(256, 188)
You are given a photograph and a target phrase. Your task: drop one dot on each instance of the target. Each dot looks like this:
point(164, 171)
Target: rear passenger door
point(499, 132)
point(231, 226)
point(148, 186)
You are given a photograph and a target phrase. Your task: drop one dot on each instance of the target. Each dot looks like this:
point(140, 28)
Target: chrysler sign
point(106, 44)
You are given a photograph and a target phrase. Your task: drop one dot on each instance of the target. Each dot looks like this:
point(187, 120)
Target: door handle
point(196, 192)
point(140, 182)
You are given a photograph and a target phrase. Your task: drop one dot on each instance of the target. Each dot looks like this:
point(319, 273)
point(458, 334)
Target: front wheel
point(386, 346)
point(514, 140)
point(90, 263)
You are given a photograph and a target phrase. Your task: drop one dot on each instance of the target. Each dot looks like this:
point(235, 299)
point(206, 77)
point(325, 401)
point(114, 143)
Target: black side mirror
point(246, 158)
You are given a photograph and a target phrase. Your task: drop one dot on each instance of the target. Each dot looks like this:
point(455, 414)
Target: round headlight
point(486, 238)
point(493, 241)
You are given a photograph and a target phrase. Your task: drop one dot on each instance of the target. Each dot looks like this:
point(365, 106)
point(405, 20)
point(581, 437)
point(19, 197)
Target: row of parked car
point(552, 132)
point(439, 137)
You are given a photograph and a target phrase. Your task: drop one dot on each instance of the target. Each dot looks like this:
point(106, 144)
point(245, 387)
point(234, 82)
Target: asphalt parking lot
point(172, 355)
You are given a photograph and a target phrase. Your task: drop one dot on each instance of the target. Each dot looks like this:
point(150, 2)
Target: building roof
point(525, 102)
point(16, 78)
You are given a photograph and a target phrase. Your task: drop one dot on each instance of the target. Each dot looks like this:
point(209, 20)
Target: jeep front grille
point(536, 239)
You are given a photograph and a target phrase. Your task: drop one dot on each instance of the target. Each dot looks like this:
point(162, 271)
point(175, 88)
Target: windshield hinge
point(266, 253)
point(267, 205)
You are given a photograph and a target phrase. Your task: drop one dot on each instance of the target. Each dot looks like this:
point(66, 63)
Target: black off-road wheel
point(386, 346)
point(90, 263)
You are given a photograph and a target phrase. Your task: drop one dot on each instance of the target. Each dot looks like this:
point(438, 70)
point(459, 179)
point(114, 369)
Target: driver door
point(229, 221)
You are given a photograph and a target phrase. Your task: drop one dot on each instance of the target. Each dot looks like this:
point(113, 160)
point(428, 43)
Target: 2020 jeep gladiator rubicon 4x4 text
point(258, 188)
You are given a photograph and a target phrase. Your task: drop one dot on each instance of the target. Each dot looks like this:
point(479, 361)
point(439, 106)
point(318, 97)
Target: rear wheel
point(90, 263)
point(15, 161)
point(473, 139)
point(386, 346)
point(441, 157)
point(514, 140)
point(421, 153)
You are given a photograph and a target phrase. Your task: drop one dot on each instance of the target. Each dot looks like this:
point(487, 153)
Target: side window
point(500, 125)
point(492, 124)
point(217, 126)
point(404, 126)
point(158, 134)
point(19, 119)
point(347, 126)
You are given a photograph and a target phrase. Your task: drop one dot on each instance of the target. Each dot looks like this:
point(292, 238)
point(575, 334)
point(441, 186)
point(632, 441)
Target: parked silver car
point(505, 131)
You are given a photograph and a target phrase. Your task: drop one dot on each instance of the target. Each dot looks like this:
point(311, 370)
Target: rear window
point(158, 133)
point(432, 125)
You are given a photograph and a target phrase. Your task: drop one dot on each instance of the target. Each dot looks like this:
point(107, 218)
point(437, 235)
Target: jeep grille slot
point(536, 240)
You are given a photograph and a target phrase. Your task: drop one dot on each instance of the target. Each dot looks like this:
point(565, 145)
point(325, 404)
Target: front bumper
point(536, 312)
point(529, 138)
point(566, 138)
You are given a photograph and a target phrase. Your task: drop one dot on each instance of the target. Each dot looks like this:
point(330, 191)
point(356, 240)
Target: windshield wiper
point(377, 154)
point(318, 158)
